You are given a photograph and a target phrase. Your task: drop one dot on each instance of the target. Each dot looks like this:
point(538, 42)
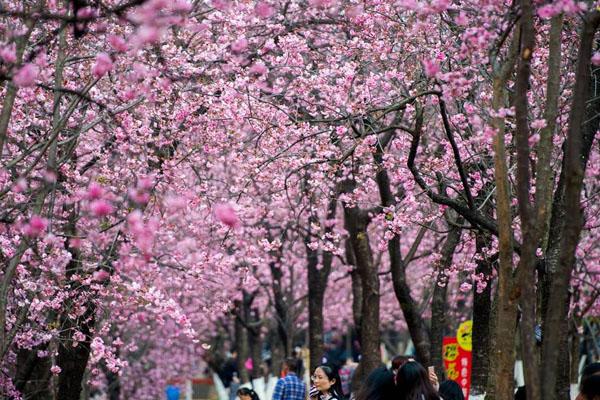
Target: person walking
point(290, 386)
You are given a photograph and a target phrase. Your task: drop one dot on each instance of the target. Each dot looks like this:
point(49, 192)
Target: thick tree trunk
point(317, 285)
point(414, 321)
point(356, 222)
point(73, 360)
point(277, 351)
point(530, 236)
point(256, 343)
point(316, 294)
point(500, 384)
point(482, 306)
point(281, 310)
point(32, 378)
point(241, 343)
point(561, 258)
point(357, 289)
point(439, 322)
point(113, 385)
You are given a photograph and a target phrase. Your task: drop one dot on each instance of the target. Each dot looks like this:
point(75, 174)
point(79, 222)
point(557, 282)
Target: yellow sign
point(450, 351)
point(464, 335)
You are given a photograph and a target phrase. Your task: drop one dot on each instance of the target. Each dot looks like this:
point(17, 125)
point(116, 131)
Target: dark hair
point(332, 373)
point(521, 393)
point(399, 361)
point(590, 369)
point(247, 392)
point(379, 385)
point(590, 381)
point(450, 390)
point(292, 364)
point(590, 387)
point(413, 383)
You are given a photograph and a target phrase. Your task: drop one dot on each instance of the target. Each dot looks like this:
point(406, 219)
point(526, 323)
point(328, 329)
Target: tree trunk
point(32, 378)
point(113, 385)
point(281, 310)
point(577, 146)
point(317, 285)
point(414, 321)
point(500, 384)
point(73, 360)
point(241, 343)
point(256, 342)
point(439, 322)
point(356, 222)
point(482, 306)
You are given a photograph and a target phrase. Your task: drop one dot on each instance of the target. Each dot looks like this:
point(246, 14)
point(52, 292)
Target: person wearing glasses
point(326, 384)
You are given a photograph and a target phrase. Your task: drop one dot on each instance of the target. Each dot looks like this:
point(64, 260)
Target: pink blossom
point(103, 65)
point(8, 53)
point(145, 183)
point(596, 58)
point(139, 196)
point(20, 185)
point(101, 208)
point(117, 43)
point(86, 13)
point(182, 6)
point(465, 287)
point(36, 226)
point(538, 124)
point(263, 9)
point(26, 76)
point(239, 45)
point(354, 11)
point(94, 192)
point(258, 69)
point(440, 5)
point(221, 5)
point(548, 11)
point(461, 19)
point(225, 214)
point(319, 3)
point(55, 369)
point(147, 34)
point(79, 336)
point(431, 68)
point(100, 275)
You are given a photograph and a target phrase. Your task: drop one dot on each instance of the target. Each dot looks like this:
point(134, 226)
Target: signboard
point(456, 352)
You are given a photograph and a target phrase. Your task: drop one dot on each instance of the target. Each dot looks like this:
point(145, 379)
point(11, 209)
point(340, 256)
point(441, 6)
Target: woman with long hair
point(379, 385)
point(326, 384)
point(413, 383)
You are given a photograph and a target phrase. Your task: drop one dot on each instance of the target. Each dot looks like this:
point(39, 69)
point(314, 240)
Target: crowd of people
point(405, 380)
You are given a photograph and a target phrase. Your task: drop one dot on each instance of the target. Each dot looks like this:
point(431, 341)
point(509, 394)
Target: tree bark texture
point(317, 285)
point(356, 222)
point(576, 153)
point(439, 322)
point(500, 384)
point(482, 307)
point(414, 321)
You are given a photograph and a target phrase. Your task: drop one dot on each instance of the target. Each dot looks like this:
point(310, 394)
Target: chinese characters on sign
point(456, 352)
